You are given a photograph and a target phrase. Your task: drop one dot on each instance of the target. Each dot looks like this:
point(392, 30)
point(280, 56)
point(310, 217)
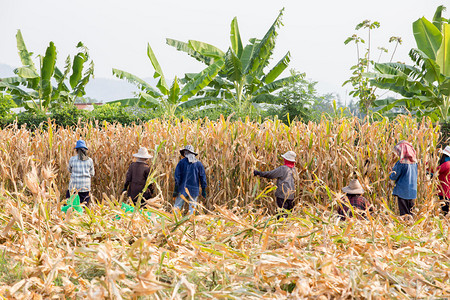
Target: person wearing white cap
point(354, 196)
point(137, 177)
point(444, 179)
point(285, 176)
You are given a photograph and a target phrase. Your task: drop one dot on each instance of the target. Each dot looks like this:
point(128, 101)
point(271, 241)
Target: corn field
point(236, 248)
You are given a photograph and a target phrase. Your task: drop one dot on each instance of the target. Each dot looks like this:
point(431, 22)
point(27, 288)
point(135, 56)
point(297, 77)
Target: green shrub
point(112, 113)
point(68, 115)
point(6, 103)
point(31, 119)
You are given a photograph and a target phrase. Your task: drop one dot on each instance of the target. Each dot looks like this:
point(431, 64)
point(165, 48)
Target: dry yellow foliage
point(236, 248)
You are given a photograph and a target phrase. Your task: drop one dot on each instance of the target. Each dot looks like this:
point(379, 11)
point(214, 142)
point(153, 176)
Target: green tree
point(40, 93)
point(425, 86)
point(6, 103)
point(296, 100)
point(362, 88)
point(170, 100)
point(243, 83)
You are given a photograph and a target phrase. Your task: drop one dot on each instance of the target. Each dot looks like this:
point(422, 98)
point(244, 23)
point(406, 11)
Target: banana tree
point(174, 99)
point(243, 83)
point(425, 86)
point(33, 86)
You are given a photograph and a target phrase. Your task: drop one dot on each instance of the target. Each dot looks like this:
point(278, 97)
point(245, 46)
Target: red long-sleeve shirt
point(444, 179)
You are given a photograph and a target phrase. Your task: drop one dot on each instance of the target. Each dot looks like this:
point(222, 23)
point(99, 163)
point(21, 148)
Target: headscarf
point(190, 156)
point(406, 152)
point(288, 163)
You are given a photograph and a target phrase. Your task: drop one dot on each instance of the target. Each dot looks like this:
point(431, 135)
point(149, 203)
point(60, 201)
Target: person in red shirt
point(444, 179)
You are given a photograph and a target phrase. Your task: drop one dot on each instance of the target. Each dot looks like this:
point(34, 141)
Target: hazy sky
point(117, 32)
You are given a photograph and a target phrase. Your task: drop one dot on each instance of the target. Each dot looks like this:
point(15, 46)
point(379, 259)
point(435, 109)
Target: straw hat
point(189, 148)
point(353, 188)
point(446, 151)
point(81, 145)
point(142, 153)
point(290, 156)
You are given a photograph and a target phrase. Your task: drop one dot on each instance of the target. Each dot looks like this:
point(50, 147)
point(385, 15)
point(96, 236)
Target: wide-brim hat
point(446, 151)
point(81, 145)
point(354, 187)
point(290, 156)
point(142, 153)
point(189, 148)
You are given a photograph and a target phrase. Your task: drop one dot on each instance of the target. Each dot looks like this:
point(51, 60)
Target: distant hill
point(104, 89)
point(6, 71)
point(101, 89)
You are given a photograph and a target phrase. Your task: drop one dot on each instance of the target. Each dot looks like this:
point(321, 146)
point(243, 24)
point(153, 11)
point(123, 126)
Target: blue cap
point(81, 144)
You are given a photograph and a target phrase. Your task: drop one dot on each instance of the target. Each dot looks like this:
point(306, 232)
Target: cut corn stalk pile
point(237, 247)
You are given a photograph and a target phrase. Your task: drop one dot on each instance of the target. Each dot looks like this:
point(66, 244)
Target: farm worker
point(404, 174)
point(353, 193)
point(137, 176)
point(189, 174)
point(444, 179)
point(285, 175)
point(81, 169)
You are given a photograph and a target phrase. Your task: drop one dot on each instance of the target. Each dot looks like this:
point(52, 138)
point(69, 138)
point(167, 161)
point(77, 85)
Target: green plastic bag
point(74, 202)
point(129, 209)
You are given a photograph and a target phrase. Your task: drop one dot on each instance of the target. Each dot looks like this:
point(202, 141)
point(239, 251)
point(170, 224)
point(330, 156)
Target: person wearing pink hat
point(285, 176)
point(444, 179)
point(404, 174)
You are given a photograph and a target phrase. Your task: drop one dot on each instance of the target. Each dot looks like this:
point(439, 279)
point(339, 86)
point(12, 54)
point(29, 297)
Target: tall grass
point(235, 249)
point(329, 154)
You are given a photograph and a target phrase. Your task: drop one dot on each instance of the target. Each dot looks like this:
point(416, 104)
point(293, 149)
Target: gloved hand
point(256, 173)
point(204, 193)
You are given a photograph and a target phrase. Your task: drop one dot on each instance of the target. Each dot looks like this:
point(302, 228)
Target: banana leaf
point(428, 37)
point(206, 49)
point(278, 84)
point(201, 80)
point(260, 56)
point(233, 66)
point(235, 38)
point(277, 69)
point(141, 84)
point(443, 54)
point(161, 85)
point(182, 46)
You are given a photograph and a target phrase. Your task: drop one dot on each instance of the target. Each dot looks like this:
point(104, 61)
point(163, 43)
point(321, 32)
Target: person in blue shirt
point(189, 175)
point(404, 174)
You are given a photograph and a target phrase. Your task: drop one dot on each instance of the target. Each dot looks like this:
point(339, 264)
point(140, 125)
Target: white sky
point(117, 32)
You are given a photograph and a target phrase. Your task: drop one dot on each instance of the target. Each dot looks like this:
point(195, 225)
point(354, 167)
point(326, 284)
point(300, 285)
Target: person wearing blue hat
point(81, 169)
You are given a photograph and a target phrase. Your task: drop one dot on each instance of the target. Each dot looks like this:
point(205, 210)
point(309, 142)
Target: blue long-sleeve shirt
point(190, 176)
point(405, 177)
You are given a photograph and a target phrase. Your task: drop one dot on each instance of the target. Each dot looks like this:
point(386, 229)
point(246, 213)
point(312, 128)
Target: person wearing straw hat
point(353, 196)
point(444, 179)
point(285, 175)
point(137, 177)
point(189, 175)
point(404, 174)
point(81, 169)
